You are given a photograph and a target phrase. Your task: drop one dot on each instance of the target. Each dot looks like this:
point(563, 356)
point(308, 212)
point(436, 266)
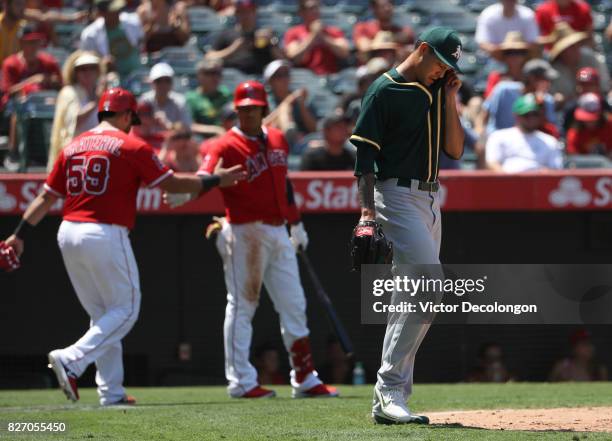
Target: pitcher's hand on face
point(453, 83)
point(229, 176)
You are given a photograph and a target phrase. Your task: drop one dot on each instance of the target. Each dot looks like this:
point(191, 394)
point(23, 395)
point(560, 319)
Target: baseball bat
point(336, 324)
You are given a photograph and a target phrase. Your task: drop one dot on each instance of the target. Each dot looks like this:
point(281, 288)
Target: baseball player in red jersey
point(256, 248)
point(98, 174)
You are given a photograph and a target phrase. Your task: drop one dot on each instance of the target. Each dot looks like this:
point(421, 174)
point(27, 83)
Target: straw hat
point(514, 41)
point(383, 41)
point(564, 37)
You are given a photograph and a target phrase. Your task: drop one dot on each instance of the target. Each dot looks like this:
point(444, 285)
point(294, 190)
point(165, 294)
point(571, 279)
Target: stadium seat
point(587, 161)
point(324, 103)
point(305, 78)
point(343, 82)
point(59, 53)
point(68, 34)
point(183, 59)
point(232, 77)
point(34, 123)
point(138, 82)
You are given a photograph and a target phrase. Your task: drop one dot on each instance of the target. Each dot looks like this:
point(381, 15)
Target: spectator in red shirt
point(576, 13)
point(29, 70)
point(153, 129)
point(587, 81)
point(592, 129)
point(314, 45)
point(365, 31)
point(180, 152)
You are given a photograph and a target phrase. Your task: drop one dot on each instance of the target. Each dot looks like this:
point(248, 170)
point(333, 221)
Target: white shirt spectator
point(175, 109)
point(517, 152)
point(94, 38)
point(492, 26)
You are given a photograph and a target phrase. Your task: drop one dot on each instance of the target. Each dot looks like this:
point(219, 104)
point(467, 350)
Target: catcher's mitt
point(369, 245)
point(8, 258)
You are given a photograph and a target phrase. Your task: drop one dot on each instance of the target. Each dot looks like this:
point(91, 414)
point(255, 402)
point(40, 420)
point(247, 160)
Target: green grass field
point(205, 413)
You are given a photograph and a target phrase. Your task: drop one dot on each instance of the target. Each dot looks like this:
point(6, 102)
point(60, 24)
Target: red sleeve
point(544, 19)
point(56, 181)
point(210, 160)
point(148, 166)
point(572, 142)
point(334, 32)
point(492, 81)
point(359, 31)
point(290, 36)
point(10, 74)
point(586, 18)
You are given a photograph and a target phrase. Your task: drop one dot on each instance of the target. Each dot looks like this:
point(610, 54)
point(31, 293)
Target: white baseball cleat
point(389, 407)
point(67, 382)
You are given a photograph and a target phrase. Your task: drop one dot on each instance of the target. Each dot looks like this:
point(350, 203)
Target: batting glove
point(298, 237)
point(177, 199)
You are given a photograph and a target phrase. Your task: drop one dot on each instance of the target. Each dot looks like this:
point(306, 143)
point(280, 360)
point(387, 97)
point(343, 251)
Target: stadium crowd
point(536, 86)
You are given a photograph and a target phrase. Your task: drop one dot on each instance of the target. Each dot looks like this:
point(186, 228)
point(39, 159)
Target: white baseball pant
point(256, 253)
point(411, 219)
point(103, 272)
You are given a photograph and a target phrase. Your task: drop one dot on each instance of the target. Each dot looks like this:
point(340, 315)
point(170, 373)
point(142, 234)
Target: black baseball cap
point(445, 43)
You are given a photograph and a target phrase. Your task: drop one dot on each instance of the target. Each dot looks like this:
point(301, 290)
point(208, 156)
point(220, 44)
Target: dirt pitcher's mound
point(579, 419)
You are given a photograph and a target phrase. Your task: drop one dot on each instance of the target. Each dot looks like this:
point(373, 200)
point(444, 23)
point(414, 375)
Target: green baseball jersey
point(402, 126)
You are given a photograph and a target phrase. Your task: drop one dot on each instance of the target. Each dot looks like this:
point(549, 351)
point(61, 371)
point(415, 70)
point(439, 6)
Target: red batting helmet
point(119, 100)
point(250, 93)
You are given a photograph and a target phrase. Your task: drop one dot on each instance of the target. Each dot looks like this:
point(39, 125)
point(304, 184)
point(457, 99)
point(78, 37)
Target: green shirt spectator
point(207, 101)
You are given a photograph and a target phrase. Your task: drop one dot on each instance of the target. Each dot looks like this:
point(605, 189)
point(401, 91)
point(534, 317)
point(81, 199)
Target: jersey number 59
point(87, 173)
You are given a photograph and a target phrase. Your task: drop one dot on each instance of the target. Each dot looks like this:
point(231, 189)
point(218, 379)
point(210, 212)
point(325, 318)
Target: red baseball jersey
point(264, 195)
point(99, 174)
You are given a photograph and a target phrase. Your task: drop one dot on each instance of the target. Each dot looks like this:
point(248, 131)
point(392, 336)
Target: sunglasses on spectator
point(163, 80)
point(515, 52)
point(216, 73)
point(88, 67)
point(531, 115)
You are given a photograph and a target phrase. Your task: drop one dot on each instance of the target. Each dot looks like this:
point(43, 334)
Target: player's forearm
point(39, 208)
point(454, 134)
point(186, 183)
point(366, 196)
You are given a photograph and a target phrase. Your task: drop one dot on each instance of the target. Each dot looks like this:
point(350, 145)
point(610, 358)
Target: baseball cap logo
point(457, 53)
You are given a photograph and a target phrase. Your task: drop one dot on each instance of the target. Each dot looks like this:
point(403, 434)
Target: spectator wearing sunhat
point(591, 132)
point(496, 20)
point(384, 46)
point(207, 101)
point(569, 53)
point(76, 109)
point(576, 13)
point(364, 32)
point(333, 151)
point(291, 111)
point(587, 81)
point(167, 104)
point(115, 35)
point(246, 46)
point(515, 52)
point(523, 147)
